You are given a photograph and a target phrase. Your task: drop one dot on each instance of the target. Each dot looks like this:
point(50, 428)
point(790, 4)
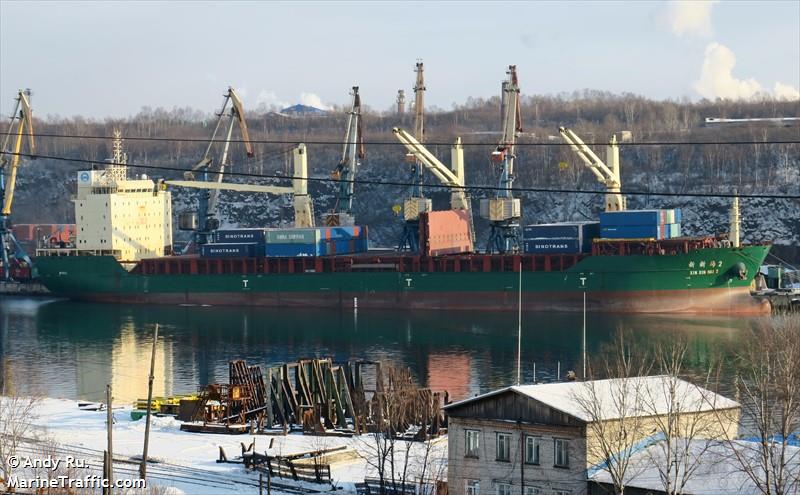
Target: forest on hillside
point(679, 162)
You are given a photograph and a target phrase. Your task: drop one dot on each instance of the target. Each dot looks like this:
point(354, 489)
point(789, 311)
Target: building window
point(561, 452)
point(532, 490)
point(503, 489)
point(503, 447)
point(531, 450)
point(473, 487)
point(473, 443)
point(562, 492)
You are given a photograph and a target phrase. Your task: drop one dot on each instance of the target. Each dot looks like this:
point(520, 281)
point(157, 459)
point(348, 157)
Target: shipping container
point(634, 232)
point(293, 236)
point(632, 218)
point(352, 232)
point(229, 250)
point(293, 249)
point(538, 246)
point(238, 236)
point(343, 246)
point(445, 232)
point(674, 230)
point(585, 232)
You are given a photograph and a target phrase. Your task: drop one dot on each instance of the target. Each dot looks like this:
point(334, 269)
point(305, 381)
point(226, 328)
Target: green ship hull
point(710, 280)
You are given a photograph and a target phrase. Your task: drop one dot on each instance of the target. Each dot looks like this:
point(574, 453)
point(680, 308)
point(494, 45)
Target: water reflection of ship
point(130, 365)
point(450, 372)
point(84, 344)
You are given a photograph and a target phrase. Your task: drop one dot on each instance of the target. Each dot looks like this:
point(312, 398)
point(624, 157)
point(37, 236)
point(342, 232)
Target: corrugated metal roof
point(598, 400)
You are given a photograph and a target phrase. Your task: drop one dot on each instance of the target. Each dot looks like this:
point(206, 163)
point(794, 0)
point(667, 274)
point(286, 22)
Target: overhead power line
point(395, 143)
point(411, 184)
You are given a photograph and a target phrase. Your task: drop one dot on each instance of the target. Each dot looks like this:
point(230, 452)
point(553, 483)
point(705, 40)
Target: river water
point(72, 350)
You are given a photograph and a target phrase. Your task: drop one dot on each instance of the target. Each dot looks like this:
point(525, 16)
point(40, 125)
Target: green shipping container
point(293, 236)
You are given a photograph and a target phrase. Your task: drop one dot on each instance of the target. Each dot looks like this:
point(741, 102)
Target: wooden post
point(143, 466)
point(105, 470)
point(269, 480)
point(109, 430)
point(260, 483)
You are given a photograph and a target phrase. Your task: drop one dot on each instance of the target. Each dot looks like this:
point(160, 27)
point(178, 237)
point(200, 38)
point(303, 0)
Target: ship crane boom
point(607, 173)
point(22, 119)
point(303, 206)
point(345, 172)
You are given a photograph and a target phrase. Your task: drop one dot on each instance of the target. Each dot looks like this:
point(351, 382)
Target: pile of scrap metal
point(321, 397)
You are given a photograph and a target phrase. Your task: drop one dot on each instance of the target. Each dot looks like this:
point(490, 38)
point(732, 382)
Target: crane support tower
point(303, 205)
point(345, 172)
point(204, 220)
point(452, 177)
point(416, 203)
point(606, 173)
point(21, 125)
point(504, 211)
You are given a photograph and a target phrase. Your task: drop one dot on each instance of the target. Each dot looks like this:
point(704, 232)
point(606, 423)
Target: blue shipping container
point(544, 246)
point(632, 218)
point(585, 232)
point(634, 232)
point(351, 232)
point(561, 230)
point(231, 250)
point(238, 236)
point(678, 215)
point(293, 249)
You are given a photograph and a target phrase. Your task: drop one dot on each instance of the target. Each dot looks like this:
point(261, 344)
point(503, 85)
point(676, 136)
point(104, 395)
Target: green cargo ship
point(684, 275)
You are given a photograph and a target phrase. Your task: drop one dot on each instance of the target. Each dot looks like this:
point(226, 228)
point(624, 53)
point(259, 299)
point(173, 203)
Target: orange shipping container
point(444, 232)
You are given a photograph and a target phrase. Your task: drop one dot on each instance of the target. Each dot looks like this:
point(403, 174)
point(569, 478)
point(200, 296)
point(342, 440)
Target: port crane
point(22, 120)
point(416, 203)
point(204, 220)
point(303, 205)
point(452, 177)
point(607, 173)
point(345, 172)
point(504, 211)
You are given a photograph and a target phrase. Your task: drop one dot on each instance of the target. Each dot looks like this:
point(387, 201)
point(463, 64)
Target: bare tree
point(16, 419)
point(690, 419)
point(394, 405)
point(768, 387)
point(613, 413)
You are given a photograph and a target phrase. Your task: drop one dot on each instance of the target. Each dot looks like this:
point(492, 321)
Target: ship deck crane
point(607, 173)
point(303, 206)
point(416, 203)
point(22, 119)
point(345, 171)
point(206, 221)
point(504, 211)
point(452, 177)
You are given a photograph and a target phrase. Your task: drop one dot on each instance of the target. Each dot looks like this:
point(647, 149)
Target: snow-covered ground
point(187, 461)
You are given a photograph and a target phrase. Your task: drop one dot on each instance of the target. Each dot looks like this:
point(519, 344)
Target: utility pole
point(519, 325)
point(110, 429)
point(583, 340)
point(143, 466)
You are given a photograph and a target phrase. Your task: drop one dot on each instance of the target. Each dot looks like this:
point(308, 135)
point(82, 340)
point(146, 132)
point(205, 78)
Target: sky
point(109, 59)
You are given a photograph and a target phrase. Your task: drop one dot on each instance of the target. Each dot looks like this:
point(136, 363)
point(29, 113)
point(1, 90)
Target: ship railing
point(78, 252)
